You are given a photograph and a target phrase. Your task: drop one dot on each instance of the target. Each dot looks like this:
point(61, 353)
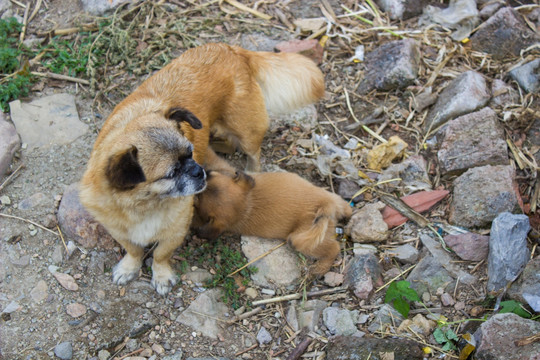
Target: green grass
point(224, 260)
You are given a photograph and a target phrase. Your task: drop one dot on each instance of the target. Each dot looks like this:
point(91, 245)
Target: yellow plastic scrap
point(427, 350)
point(469, 346)
point(323, 40)
point(381, 156)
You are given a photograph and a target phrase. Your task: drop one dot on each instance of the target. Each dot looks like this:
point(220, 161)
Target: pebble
point(103, 355)
point(64, 350)
point(76, 310)
point(263, 336)
point(447, 299)
point(39, 292)
point(5, 200)
point(67, 281)
point(158, 349)
point(251, 292)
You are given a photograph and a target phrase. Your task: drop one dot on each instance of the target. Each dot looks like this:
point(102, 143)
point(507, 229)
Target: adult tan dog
point(278, 205)
point(146, 163)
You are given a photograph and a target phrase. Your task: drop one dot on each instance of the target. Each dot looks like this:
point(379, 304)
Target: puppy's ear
point(179, 115)
point(244, 179)
point(123, 170)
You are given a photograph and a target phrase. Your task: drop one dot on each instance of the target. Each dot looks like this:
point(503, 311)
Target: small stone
point(5, 200)
point(362, 274)
point(393, 65)
point(150, 305)
point(103, 355)
point(460, 305)
point(469, 246)
point(67, 281)
point(340, 321)
point(310, 48)
point(502, 94)
point(508, 252)
point(251, 292)
point(367, 224)
point(466, 93)
point(333, 279)
point(353, 347)
point(158, 349)
point(528, 76)
point(263, 336)
point(482, 193)
point(33, 201)
point(100, 7)
point(503, 35)
point(146, 353)
point(12, 307)
point(385, 318)
point(527, 288)
point(472, 140)
point(64, 350)
point(447, 299)
point(429, 275)
point(9, 144)
point(76, 310)
point(406, 253)
point(57, 256)
point(39, 292)
point(402, 9)
point(21, 262)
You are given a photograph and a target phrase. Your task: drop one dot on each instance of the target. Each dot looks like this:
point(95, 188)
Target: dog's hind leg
point(128, 268)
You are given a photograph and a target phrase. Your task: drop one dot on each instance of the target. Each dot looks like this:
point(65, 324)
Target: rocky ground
point(436, 106)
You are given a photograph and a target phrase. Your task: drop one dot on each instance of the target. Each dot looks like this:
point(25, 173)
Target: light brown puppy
point(276, 205)
point(145, 166)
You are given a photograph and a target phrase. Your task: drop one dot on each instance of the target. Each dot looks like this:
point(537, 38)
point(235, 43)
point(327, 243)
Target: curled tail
point(288, 81)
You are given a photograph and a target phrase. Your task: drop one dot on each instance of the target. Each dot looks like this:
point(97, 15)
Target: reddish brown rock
point(469, 246)
point(77, 224)
point(310, 48)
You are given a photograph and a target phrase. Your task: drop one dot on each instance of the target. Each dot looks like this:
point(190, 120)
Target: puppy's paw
point(126, 270)
point(163, 279)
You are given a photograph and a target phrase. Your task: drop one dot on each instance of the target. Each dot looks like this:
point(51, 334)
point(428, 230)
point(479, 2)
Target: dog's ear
point(244, 179)
point(179, 115)
point(124, 171)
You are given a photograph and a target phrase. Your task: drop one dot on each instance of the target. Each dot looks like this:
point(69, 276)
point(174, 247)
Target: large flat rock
point(51, 120)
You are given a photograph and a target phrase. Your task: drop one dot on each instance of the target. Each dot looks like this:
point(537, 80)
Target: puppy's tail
point(288, 81)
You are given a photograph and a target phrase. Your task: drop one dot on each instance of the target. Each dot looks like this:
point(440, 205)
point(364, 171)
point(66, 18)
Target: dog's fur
point(277, 205)
point(144, 169)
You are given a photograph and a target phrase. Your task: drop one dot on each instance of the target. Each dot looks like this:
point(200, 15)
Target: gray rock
point(362, 274)
point(103, 355)
point(385, 318)
point(472, 140)
point(469, 246)
point(36, 200)
point(502, 94)
point(79, 225)
point(340, 321)
point(306, 314)
point(279, 268)
point(64, 350)
point(495, 338)
point(406, 253)
point(355, 348)
point(402, 9)
point(367, 224)
point(201, 315)
point(305, 118)
point(57, 256)
point(393, 65)
point(199, 276)
point(466, 93)
point(527, 288)
point(482, 193)
point(528, 76)
point(445, 260)
point(508, 253)
point(9, 144)
point(21, 262)
point(97, 262)
point(178, 355)
point(347, 189)
point(48, 120)
point(489, 9)
point(412, 172)
point(429, 275)
point(263, 336)
point(100, 7)
point(503, 35)
point(11, 308)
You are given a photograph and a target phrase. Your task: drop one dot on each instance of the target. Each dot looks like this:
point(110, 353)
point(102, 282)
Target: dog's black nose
point(196, 171)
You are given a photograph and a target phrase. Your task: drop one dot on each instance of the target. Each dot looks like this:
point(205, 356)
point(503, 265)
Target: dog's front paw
point(125, 271)
point(163, 279)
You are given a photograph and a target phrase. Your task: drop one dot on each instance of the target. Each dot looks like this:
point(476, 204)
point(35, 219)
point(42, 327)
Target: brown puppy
point(272, 205)
point(144, 169)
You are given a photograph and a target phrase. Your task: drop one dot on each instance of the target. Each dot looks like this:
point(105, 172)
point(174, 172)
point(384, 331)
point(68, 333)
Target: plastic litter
point(461, 16)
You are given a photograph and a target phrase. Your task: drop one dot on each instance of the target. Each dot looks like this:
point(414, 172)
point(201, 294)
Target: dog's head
point(153, 160)
point(224, 202)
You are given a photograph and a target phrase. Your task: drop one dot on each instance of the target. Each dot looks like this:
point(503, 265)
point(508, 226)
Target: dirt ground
point(27, 251)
